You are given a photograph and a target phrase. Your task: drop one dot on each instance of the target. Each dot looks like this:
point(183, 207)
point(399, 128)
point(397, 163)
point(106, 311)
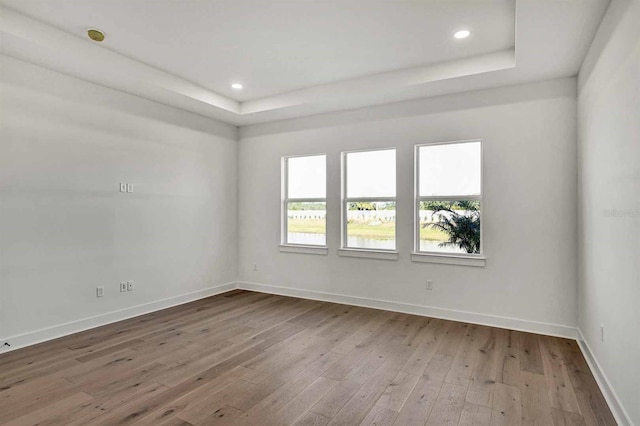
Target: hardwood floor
point(246, 358)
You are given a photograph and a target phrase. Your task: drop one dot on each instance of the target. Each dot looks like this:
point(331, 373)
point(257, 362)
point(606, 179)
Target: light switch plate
point(129, 187)
point(123, 187)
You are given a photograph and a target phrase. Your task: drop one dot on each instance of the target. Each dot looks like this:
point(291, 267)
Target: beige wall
point(529, 145)
point(609, 206)
point(65, 145)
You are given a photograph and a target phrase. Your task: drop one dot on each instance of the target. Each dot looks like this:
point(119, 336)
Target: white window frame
point(467, 259)
point(286, 246)
point(345, 250)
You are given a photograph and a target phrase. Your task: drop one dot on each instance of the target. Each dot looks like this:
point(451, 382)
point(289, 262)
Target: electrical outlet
point(123, 187)
point(99, 291)
point(129, 187)
point(130, 286)
point(123, 286)
point(429, 285)
point(601, 333)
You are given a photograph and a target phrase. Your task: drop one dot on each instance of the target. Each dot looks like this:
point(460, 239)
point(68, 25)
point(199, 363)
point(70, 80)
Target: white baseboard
point(45, 334)
point(49, 333)
point(620, 414)
point(429, 311)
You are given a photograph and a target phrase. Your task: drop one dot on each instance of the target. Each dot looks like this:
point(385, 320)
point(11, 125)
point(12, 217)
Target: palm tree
point(462, 225)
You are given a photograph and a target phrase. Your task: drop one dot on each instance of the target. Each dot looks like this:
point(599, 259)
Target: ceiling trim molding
point(385, 82)
point(39, 43)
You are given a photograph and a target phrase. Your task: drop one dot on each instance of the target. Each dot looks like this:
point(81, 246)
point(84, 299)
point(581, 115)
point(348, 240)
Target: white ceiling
point(300, 57)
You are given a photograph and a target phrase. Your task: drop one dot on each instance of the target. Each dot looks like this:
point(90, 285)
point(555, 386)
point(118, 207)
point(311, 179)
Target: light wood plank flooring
point(246, 358)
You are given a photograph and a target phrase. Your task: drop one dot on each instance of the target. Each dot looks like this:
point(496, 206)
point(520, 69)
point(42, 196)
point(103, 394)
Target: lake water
point(320, 239)
point(306, 238)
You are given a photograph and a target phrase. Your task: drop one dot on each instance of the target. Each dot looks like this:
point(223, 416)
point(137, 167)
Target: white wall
point(65, 229)
point(609, 164)
point(529, 135)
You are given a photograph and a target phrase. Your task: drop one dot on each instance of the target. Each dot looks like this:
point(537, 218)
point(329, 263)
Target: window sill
point(291, 248)
point(368, 254)
point(449, 259)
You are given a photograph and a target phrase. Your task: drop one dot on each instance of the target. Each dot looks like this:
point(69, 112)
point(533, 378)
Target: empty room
point(320, 212)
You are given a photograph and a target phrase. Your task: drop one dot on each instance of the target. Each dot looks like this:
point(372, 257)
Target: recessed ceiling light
point(95, 35)
point(462, 34)
point(236, 86)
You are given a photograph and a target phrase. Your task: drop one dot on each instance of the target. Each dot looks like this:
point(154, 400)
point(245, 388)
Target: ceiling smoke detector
point(95, 35)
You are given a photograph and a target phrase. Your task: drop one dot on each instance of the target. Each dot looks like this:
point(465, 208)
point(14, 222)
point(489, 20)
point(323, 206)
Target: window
point(304, 200)
point(369, 200)
point(449, 198)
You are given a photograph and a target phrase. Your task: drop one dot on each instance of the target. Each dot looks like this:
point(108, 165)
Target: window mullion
point(306, 200)
point(376, 241)
point(370, 199)
point(450, 198)
point(421, 150)
point(286, 200)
